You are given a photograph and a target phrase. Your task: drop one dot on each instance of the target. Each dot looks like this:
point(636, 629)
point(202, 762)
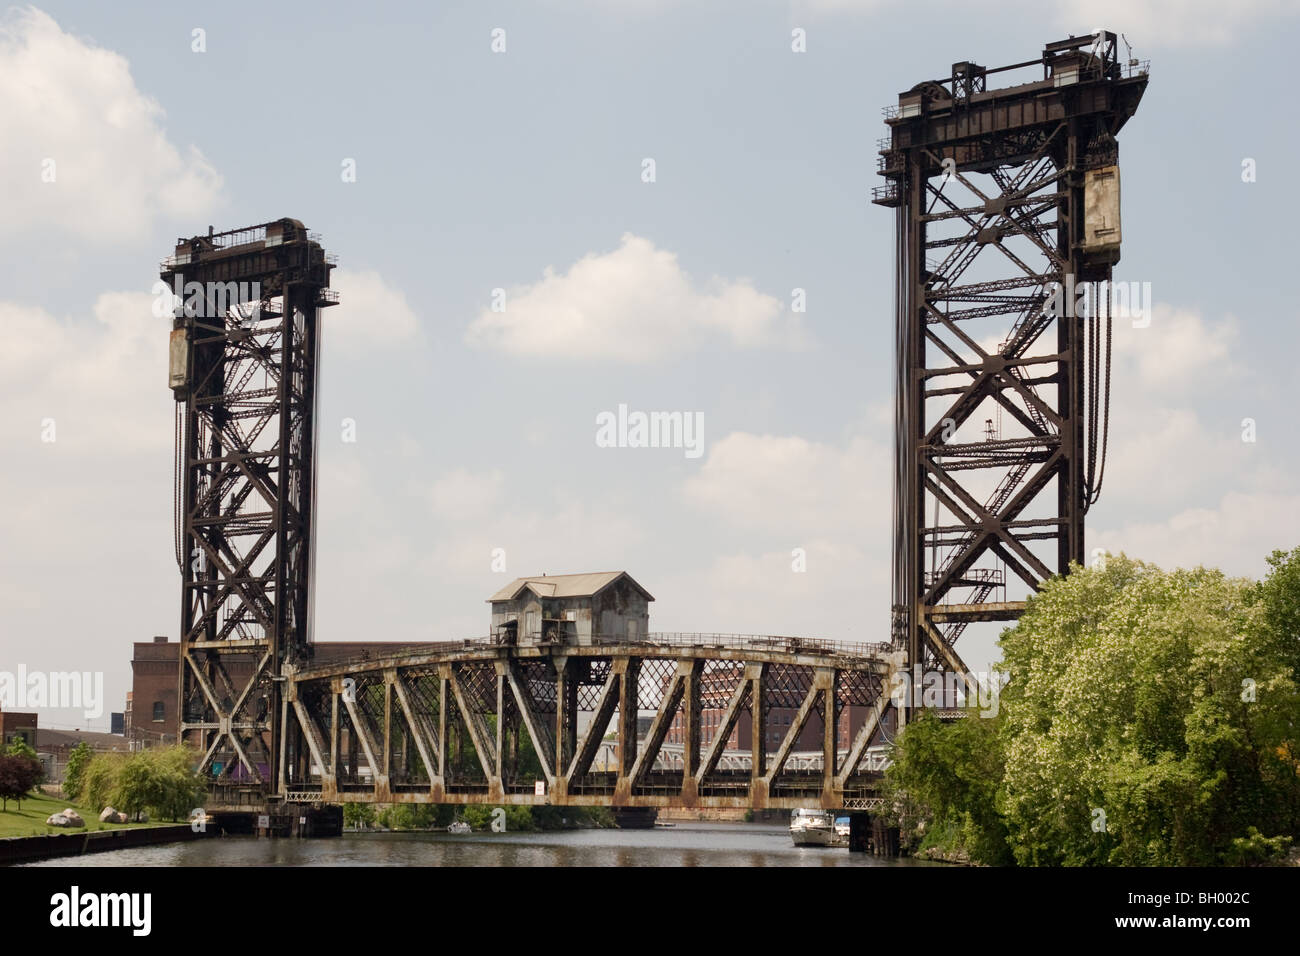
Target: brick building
point(14, 724)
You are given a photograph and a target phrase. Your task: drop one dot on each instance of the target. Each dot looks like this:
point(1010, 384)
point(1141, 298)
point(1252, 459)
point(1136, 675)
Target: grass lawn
point(30, 820)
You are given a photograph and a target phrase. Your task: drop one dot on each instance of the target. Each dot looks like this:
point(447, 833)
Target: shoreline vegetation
point(30, 819)
point(26, 837)
point(1149, 718)
point(365, 817)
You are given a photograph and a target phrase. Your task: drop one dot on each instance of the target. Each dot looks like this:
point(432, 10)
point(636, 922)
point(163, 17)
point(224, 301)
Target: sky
point(518, 175)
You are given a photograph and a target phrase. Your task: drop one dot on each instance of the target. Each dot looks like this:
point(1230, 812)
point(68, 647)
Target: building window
point(158, 711)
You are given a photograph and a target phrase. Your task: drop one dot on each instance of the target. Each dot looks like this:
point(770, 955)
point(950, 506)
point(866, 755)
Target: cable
point(1101, 355)
point(1092, 386)
point(178, 456)
point(1105, 421)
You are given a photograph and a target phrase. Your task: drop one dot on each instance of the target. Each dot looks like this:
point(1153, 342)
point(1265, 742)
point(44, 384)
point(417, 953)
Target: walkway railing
point(758, 642)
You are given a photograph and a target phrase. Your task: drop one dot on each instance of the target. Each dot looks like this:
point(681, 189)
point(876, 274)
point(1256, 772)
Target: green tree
point(942, 786)
point(139, 784)
point(18, 747)
point(163, 782)
point(75, 771)
point(19, 775)
point(1151, 717)
point(99, 784)
point(181, 787)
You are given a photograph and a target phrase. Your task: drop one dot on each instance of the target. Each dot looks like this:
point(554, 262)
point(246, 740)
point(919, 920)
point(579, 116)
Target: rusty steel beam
point(994, 217)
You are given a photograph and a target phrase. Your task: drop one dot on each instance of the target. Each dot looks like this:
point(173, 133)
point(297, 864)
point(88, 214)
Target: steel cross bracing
point(989, 188)
point(487, 723)
point(244, 369)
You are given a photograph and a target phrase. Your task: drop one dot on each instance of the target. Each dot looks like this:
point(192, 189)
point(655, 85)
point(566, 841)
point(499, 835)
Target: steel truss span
point(465, 724)
point(1007, 206)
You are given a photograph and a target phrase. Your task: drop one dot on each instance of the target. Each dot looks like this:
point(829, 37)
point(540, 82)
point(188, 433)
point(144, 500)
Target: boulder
point(57, 820)
point(109, 815)
point(74, 818)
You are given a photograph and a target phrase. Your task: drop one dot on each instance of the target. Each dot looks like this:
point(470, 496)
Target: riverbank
point(25, 836)
point(80, 842)
point(29, 819)
point(957, 857)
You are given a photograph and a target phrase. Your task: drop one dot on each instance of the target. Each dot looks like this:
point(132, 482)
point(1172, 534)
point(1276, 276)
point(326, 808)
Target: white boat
point(818, 828)
point(460, 826)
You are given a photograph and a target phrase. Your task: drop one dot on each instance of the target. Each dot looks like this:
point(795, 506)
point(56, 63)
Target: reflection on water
point(686, 844)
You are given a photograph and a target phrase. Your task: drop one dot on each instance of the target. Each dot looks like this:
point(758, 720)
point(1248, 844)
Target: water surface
point(685, 844)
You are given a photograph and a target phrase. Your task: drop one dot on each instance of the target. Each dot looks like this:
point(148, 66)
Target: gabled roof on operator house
point(566, 585)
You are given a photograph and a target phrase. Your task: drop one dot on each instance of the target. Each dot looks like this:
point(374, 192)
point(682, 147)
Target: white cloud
point(1235, 534)
point(1162, 457)
point(1165, 454)
point(794, 486)
point(371, 314)
point(410, 546)
point(1179, 349)
point(115, 170)
point(843, 593)
point(103, 381)
point(87, 563)
point(775, 494)
point(1182, 488)
point(632, 304)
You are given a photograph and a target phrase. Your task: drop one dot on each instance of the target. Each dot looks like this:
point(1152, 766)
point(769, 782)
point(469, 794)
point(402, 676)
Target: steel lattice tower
point(244, 370)
point(1007, 207)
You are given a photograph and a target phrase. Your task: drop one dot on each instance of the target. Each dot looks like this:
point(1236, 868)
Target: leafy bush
point(75, 772)
point(358, 814)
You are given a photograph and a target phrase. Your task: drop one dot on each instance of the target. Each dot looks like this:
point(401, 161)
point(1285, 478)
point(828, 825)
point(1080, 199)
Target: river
point(685, 844)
